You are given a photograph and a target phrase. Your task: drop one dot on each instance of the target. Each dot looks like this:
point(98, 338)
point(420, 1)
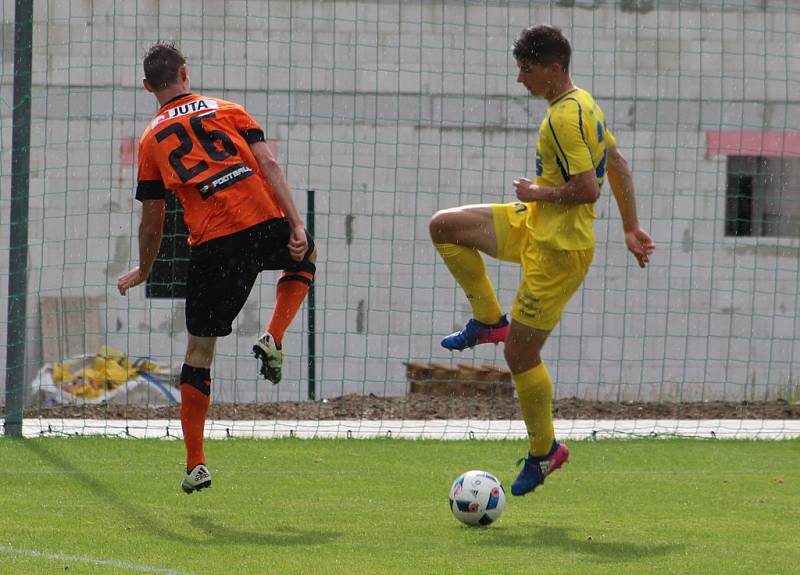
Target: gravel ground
point(420, 406)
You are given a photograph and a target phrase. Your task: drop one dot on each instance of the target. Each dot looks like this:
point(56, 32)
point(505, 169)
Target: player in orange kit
point(242, 219)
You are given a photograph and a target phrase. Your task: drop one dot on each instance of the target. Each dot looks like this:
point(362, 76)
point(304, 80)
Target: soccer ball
point(477, 498)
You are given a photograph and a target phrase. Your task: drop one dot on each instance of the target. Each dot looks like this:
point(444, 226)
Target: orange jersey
point(199, 148)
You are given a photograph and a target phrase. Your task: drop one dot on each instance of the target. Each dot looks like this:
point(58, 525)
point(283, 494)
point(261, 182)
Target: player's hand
point(525, 189)
point(131, 279)
point(640, 245)
point(298, 243)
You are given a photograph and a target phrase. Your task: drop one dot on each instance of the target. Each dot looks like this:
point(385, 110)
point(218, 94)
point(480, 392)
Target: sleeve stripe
point(583, 136)
point(580, 124)
point(253, 135)
point(565, 165)
point(150, 190)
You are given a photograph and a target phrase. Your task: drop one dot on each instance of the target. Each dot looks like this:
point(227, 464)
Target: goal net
point(382, 113)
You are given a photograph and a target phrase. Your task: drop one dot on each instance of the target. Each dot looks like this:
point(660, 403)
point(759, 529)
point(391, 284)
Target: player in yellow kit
point(548, 231)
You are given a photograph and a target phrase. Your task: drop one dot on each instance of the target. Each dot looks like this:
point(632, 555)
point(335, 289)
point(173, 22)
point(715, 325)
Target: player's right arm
point(298, 243)
point(581, 188)
point(150, 231)
point(620, 178)
point(150, 190)
point(580, 185)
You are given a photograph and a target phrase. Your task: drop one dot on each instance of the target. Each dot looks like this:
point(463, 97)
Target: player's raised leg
point(290, 293)
point(195, 399)
point(459, 235)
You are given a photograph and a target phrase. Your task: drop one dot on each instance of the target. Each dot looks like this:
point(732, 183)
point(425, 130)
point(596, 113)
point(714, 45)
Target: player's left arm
point(639, 242)
point(298, 243)
point(275, 179)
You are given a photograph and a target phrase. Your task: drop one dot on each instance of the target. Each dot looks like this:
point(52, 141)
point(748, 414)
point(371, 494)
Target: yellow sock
point(467, 267)
point(535, 391)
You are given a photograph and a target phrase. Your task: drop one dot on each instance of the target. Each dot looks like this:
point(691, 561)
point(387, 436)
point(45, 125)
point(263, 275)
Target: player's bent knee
point(311, 251)
point(444, 226)
point(311, 256)
point(303, 273)
point(308, 267)
point(436, 226)
point(305, 268)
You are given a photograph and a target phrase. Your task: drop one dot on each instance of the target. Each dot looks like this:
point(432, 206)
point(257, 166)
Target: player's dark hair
point(542, 45)
point(161, 64)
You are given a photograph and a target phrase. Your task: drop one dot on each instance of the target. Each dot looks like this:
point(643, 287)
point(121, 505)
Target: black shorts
point(222, 273)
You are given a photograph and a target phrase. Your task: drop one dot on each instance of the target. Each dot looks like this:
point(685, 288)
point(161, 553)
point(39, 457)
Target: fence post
point(312, 310)
point(18, 240)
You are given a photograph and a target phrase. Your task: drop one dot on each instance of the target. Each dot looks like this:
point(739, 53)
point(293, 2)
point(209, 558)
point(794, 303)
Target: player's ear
point(147, 85)
point(183, 73)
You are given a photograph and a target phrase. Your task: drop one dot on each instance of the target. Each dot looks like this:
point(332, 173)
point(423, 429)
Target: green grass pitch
point(347, 507)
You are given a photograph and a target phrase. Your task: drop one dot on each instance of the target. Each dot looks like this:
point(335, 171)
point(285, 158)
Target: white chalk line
point(89, 561)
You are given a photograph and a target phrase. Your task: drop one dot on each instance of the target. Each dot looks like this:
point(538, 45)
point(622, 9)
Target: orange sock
point(195, 398)
point(289, 295)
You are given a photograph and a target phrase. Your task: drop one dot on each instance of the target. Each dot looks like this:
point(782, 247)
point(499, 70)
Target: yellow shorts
point(549, 277)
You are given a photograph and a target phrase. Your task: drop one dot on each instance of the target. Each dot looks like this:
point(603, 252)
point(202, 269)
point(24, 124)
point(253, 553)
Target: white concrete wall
point(392, 111)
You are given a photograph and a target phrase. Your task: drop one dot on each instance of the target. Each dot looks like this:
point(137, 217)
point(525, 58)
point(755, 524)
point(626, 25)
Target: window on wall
point(168, 277)
point(763, 196)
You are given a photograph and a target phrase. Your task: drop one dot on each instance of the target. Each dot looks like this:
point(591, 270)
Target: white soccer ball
point(477, 498)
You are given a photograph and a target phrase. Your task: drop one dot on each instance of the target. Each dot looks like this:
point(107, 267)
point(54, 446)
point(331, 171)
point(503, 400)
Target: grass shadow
point(149, 522)
point(103, 490)
point(281, 536)
point(561, 539)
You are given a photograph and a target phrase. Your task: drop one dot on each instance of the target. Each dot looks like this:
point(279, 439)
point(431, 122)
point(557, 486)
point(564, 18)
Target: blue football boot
point(476, 332)
point(537, 468)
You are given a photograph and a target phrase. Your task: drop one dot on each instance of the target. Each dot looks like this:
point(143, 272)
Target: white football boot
point(196, 479)
point(271, 357)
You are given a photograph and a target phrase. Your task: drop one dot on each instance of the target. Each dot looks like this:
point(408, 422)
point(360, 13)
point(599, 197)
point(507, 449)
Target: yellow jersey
point(573, 138)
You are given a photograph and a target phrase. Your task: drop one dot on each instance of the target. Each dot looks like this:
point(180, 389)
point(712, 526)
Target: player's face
point(536, 78)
